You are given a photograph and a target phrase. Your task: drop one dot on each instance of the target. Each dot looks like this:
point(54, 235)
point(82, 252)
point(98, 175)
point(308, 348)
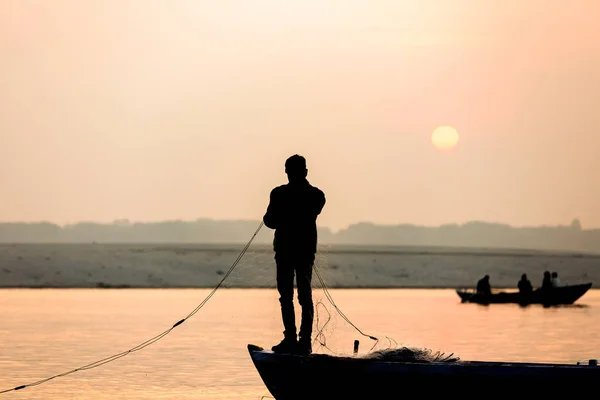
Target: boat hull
point(556, 296)
point(321, 377)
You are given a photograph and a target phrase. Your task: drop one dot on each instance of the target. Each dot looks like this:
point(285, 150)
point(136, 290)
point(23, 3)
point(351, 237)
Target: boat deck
point(360, 378)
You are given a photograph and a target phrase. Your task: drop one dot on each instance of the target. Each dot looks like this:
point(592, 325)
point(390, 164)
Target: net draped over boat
point(411, 354)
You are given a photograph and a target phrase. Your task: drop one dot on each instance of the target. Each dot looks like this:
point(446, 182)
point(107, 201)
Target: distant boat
point(325, 377)
point(555, 296)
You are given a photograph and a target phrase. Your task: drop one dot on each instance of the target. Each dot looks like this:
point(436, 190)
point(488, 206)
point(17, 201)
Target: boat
point(326, 377)
point(561, 295)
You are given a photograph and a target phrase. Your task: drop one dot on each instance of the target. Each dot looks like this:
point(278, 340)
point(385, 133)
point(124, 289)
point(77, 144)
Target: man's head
point(295, 168)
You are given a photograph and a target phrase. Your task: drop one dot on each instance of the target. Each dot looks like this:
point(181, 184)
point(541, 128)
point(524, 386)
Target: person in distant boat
point(547, 281)
point(555, 280)
point(292, 212)
point(524, 285)
point(483, 286)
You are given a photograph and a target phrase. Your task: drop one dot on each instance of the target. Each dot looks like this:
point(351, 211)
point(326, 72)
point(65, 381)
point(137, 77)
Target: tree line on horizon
point(207, 231)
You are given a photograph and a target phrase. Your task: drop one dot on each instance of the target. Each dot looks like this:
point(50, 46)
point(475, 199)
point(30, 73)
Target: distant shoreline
point(202, 266)
point(476, 234)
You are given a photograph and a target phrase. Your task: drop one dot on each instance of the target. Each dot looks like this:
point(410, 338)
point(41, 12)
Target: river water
point(44, 332)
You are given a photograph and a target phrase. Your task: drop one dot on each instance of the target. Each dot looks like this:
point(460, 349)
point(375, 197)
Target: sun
point(445, 138)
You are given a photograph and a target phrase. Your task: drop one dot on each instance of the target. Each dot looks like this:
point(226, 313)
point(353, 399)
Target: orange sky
point(153, 110)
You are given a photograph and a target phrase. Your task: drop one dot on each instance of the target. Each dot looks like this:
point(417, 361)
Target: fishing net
point(410, 354)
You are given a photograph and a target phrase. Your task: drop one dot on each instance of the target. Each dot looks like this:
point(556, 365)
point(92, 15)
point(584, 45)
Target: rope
point(330, 298)
point(149, 341)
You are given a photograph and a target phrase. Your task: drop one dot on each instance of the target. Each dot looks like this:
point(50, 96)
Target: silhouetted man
point(555, 280)
point(524, 285)
point(292, 212)
point(483, 286)
point(547, 281)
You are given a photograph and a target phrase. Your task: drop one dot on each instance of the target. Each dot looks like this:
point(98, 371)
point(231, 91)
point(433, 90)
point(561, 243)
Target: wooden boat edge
point(259, 354)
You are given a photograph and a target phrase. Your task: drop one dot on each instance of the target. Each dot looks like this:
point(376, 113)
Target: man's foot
point(304, 347)
point(286, 346)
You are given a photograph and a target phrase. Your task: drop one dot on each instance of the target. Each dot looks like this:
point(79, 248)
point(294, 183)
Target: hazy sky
point(153, 110)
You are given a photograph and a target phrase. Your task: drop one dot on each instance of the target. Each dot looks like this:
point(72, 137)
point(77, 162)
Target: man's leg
point(285, 287)
point(304, 282)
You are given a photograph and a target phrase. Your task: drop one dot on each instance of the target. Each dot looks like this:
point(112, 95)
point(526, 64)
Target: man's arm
point(271, 217)
point(320, 202)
